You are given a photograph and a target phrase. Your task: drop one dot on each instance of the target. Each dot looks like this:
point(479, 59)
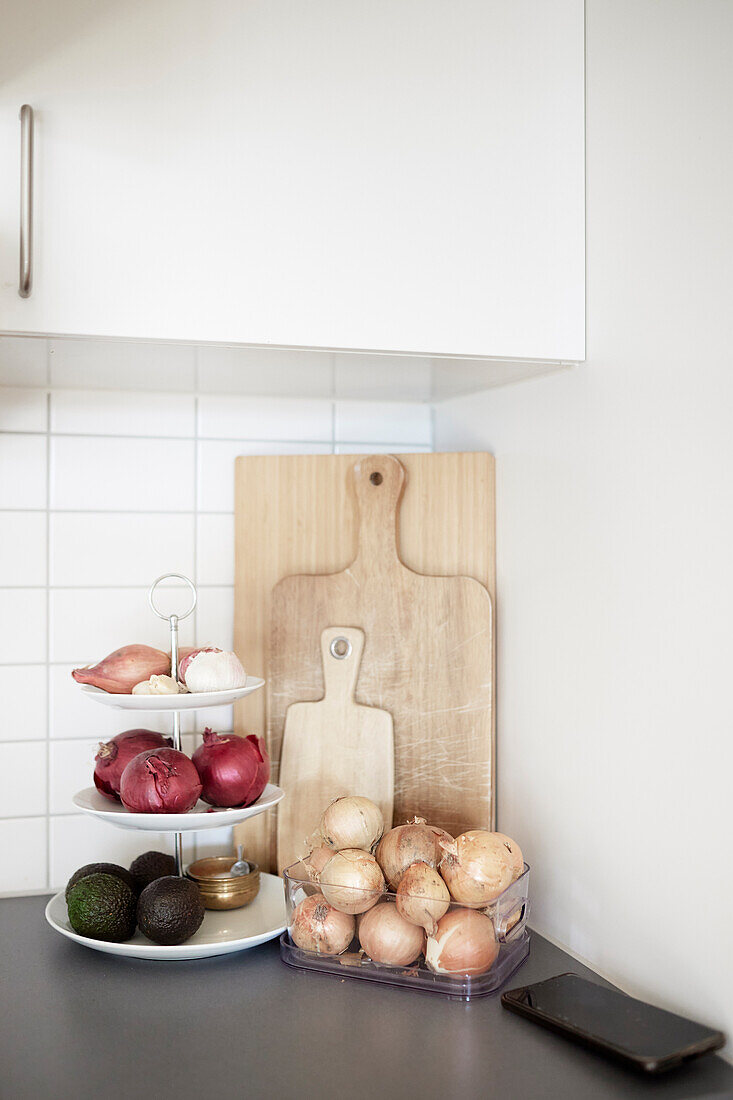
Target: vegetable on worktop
point(318, 926)
point(211, 669)
point(125, 667)
point(233, 770)
point(407, 844)
point(352, 880)
point(351, 822)
point(170, 910)
point(478, 866)
point(388, 938)
point(161, 781)
point(422, 896)
point(142, 670)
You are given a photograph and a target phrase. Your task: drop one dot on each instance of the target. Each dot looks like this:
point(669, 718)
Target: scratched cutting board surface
point(333, 747)
point(427, 657)
point(298, 514)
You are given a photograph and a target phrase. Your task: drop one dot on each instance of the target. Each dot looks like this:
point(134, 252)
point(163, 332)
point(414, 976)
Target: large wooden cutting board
point(332, 748)
point(427, 658)
point(297, 514)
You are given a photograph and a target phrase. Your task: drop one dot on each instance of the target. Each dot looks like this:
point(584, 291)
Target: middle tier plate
point(200, 817)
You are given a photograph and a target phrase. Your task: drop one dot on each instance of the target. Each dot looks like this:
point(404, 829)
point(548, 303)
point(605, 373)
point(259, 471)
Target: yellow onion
point(415, 842)
point(478, 866)
point(317, 926)
point(352, 822)
point(388, 938)
point(422, 896)
point(464, 943)
point(316, 860)
point(351, 881)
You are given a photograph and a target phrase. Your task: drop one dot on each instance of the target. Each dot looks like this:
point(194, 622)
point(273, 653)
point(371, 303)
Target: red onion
point(233, 770)
point(162, 781)
point(120, 671)
point(114, 756)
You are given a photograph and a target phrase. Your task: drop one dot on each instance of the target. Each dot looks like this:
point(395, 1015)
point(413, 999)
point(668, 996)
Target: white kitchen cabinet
point(402, 175)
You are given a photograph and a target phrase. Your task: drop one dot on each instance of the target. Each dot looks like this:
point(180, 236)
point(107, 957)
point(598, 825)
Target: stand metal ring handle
point(167, 577)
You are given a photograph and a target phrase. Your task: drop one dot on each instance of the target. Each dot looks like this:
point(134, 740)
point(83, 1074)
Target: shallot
point(478, 866)
point(422, 896)
point(463, 943)
point(120, 671)
point(233, 770)
point(211, 669)
point(114, 756)
point(351, 881)
point(388, 938)
point(411, 843)
point(317, 926)
point(162, 781)
point(352, 822)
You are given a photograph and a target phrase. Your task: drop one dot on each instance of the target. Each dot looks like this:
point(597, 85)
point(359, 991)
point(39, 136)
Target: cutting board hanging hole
point(376, 478)
point(340, 648)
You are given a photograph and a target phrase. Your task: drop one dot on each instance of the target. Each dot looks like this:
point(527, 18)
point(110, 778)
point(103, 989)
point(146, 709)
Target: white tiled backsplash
point(102, 490)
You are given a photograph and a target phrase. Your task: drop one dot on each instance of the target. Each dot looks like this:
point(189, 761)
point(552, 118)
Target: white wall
point(101, 491)
point(615, 527)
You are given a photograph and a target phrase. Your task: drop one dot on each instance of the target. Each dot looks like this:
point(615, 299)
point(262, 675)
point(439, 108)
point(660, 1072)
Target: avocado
point(149, 866)
point(102, 907)
point(170, 910)
point(102, 869)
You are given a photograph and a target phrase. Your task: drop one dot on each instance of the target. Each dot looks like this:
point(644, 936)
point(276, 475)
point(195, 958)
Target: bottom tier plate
point(220, 934)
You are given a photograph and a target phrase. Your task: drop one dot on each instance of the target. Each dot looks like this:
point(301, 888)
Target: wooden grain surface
point(297, 514)
point(331, 748)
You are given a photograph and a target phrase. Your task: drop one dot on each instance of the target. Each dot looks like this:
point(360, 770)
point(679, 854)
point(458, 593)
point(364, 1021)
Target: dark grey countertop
point(80, 1024)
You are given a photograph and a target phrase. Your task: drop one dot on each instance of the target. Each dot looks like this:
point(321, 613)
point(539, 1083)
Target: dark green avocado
point(149, 866)
point(101, 869)
point(102, 907)
point(170, 910)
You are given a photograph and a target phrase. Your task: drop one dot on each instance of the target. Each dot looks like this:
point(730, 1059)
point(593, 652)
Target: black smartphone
point(608, 1021)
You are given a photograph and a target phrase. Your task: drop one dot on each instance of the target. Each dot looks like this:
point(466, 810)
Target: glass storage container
point(508, 914)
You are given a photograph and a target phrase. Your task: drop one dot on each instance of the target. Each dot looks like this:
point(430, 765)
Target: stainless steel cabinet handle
point(26, 201)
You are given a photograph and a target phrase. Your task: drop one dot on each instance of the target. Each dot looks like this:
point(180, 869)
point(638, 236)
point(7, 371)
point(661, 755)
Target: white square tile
point(87, 624)
point(215, 618)
point(121, 364)
point(71, 770)
point(23, 619)
point(22, 548)
point(215, 549)
point(220, 719)
point(380, 449)
point(215, 842)
point(17, 760)
point(23, 410)
point(383, 422)
point(23, 854)
point(388, 377)
point(73, 715)
point(23, 692)
point(145, 475)
point(216, 467)
point(119, 548)
point(78, 839)
point(23, 361)
point(109, 413)
point(267, 371)
point(23, 465)
point(289, 419)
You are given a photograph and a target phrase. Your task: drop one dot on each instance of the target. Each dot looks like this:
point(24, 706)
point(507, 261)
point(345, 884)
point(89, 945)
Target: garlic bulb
point(159, 685)
point(212, 670)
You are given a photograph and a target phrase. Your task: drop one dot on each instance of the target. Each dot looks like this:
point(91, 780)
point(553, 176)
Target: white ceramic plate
point(187, 701)
point(221, 933)
point(200, 817)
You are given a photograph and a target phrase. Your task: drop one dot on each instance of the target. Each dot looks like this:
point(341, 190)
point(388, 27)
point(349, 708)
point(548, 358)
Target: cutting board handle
point(379, 481)
point(341, 650)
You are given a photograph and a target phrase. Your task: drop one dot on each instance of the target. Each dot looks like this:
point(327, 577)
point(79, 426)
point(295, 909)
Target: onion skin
point(388, 938)
point(115, 754)
point(120, 671)
point(352, 822)
point(317, 926)
point(162, 781)
point(479, 866)
point(415, 842)
point(422, 896)
point(233, 770)
point(316, 860)
point(352, 881)
point(464, 943)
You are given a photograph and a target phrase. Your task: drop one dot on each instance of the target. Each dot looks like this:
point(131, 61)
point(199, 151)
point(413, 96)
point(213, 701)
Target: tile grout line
point(48, 625)
point(193, 843)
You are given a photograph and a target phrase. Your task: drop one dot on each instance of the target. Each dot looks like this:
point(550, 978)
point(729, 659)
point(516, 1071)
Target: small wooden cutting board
point(333, 747)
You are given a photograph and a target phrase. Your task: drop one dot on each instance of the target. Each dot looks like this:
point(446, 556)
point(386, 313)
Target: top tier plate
point(187, 701)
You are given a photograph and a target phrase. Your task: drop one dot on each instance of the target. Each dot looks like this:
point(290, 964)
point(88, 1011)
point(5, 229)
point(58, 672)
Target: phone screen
point(611, 1020)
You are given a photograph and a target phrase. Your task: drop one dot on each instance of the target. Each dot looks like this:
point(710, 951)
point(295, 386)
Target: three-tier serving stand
point(224, 931)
